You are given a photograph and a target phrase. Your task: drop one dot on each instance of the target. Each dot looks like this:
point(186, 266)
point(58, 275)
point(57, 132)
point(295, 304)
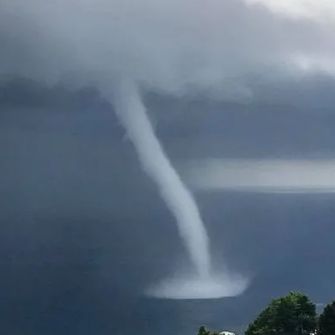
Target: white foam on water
point(210, 287)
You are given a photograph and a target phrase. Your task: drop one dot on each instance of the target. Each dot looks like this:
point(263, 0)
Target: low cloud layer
point(294, 176)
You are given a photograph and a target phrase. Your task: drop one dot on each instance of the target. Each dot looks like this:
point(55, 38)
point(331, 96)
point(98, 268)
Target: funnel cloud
point(132, 114)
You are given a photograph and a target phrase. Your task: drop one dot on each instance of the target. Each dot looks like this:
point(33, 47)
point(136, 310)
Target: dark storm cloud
point(175, 46)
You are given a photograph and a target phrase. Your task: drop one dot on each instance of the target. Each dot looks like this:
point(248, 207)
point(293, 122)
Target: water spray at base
point(132, 114)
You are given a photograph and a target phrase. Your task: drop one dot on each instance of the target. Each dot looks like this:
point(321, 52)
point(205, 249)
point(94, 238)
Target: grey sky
point(82, 258)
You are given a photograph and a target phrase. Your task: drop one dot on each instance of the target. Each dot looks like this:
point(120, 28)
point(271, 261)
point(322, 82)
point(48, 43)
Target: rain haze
point(165, 164)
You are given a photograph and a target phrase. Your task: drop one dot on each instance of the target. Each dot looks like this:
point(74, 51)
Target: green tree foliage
point(204, 331)
point(327, 320)
point(293, 314)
